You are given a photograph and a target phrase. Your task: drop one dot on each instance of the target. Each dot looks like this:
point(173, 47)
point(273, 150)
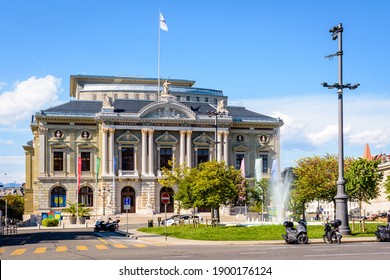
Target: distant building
point(124, 130)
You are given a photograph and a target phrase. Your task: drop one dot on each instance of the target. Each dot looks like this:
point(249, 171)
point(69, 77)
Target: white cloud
point(380, 138)
point(26, 98)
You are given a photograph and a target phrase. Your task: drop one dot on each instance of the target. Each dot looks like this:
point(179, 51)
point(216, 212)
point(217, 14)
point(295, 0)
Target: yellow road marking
point(119, 246)
point(61, 249)
point(18, 252)
point(2, 251)
point(81, 248)
point(40, 250)
point(101, 247)
point(102, 240)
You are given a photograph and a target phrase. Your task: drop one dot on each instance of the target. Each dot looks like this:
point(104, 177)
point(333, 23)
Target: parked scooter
point(110, 226)
point(383, 233)
point(332, 232)
point(296, 235)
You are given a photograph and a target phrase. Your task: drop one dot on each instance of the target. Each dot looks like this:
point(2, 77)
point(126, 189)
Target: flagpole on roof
point(161, 25)
point(158, 56)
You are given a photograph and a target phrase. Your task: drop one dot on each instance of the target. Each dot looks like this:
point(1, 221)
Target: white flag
point(163, 23)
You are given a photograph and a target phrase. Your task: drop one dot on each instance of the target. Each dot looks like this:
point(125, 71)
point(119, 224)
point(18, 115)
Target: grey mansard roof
point(91, 108)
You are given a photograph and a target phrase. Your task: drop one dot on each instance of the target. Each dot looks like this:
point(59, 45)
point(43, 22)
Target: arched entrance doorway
point(128, 192)
point(170, 205)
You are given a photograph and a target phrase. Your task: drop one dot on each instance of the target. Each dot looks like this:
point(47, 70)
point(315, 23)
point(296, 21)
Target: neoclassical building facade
point(123, 130)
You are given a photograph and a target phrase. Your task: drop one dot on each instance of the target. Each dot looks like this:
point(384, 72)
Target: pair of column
point(147, 152)
point(108, 144)
point(223, 144)
point(186, 147)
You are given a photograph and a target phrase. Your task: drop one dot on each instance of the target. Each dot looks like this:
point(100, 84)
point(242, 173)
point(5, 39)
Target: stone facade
point(123, 131)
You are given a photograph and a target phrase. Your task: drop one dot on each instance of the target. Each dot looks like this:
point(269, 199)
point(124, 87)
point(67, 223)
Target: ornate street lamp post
point(341, 198)
point(103, 193)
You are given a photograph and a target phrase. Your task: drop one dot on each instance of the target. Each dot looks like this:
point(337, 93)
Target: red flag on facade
point(79, 163)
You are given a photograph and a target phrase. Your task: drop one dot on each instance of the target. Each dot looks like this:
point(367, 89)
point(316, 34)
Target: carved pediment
point(166, 138)
point(240, 148)
point(166, 113)
point(166, 110)
point(127, 138)
point(203, 140)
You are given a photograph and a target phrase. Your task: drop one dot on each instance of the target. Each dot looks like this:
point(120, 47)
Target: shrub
point(50, 222)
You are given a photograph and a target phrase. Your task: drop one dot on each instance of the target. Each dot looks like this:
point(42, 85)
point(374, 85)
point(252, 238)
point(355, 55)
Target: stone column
point(151, 155)
point(219, 143)
point(111, 152)
point(104, 151)
point(144, 151)
point(189, 148)
point(42, 150)
point(182, 146)
point(226, 147)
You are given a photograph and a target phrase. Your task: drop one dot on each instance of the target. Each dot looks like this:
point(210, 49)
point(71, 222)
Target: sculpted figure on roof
point(165, 91)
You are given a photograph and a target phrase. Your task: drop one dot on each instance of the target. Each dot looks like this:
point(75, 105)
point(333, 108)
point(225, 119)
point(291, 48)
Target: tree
point(316, 179)
point(15, 206)
point(210, 184)
point(362, 180)
point(215, 184)
point(386, 185)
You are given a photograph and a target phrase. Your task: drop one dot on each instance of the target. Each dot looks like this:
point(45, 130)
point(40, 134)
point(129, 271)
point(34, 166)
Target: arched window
point(58, 197)
point(86, 196)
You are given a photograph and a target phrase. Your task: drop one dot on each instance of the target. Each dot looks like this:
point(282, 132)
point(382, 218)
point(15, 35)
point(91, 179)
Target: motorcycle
point(100, 225)
point(298, 235)
point(332, 232)
point(383, 233)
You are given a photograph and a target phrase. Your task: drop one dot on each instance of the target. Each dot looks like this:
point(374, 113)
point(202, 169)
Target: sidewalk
point(153, 238)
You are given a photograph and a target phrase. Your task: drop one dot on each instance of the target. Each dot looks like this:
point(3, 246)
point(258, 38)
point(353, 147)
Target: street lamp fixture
point(341, 198)
point(103, 193)
point(216, 114)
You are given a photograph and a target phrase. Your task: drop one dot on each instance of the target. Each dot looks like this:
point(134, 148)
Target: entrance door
point(128, 192)
point(170, 206)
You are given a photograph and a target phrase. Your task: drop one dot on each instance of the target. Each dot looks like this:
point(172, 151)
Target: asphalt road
point(84, 244)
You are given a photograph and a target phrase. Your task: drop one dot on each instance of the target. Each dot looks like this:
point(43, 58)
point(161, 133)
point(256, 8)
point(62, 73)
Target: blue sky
point(265, 55)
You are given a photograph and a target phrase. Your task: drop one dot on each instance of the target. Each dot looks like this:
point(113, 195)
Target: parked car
point(373, 217)
point(175, 220)
point(168, 219)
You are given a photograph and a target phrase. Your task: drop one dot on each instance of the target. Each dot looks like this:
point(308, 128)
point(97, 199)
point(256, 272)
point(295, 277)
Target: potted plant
point(83, 213)
point(72, 210)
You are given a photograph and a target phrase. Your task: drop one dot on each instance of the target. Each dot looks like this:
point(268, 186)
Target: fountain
point(280, 191)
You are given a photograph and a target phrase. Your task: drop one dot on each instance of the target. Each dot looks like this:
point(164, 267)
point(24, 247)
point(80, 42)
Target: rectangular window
point(215, 101)
point(165, 157)
point(126, 96)
point(203, 155)
point(197, 98)
point(58, 161)
point(85, 161)
point(115, 96)
point(128, 158)
point(94, 97)
point(188, 98)
point(206, 99)
point(265, 163)
point(239, 158)
point(178, 98)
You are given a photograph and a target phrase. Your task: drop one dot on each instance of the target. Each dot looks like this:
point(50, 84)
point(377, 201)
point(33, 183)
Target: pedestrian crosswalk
point(12, 251)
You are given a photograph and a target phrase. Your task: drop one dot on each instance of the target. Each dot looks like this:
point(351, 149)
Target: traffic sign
point(126, 203)
point(165, 198)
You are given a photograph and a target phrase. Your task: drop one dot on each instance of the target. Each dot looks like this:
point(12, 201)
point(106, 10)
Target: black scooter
point(100, 225)
point(298, 235)
point(383, 233)
point(331, 232)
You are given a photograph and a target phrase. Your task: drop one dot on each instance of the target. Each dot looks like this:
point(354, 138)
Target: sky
point(268, 56)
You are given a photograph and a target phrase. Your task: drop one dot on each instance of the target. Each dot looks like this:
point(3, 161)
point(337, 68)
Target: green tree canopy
point(362, 180)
